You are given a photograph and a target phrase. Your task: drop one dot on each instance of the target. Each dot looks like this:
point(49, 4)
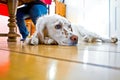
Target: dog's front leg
point(50, 41)
point(33, 40)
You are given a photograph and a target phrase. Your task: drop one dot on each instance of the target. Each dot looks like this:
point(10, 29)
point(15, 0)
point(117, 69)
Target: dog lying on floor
point(55, 29)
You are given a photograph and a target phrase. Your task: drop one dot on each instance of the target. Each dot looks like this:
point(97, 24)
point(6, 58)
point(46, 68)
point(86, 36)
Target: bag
point(47, 1)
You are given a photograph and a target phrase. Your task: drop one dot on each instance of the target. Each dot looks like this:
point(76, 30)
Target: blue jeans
point(34, 12)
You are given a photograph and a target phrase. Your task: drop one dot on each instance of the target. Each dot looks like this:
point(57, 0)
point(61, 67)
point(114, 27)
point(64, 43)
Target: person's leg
point(37, 11)
point(22, 13)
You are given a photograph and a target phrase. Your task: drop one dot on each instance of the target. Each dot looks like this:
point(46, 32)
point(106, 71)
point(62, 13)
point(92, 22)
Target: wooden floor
point(96, 61)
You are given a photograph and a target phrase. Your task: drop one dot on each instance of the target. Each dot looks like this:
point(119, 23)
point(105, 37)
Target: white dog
point(55, 29)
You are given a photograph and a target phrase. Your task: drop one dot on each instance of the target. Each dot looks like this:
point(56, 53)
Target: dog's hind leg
point(88, 36)
point(111, 40)
point(92, 37)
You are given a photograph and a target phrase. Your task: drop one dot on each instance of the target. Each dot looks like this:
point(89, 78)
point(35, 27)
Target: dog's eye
point(58, 26)
point(70, 28)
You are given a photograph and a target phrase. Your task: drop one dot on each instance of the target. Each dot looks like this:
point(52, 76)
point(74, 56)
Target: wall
point(92, 14)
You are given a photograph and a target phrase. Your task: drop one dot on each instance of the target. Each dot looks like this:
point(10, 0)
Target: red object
point(4, 9)
point(47, 1)
point(4, 63)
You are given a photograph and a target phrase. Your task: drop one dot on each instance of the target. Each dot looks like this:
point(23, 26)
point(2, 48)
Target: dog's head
point(55, 29)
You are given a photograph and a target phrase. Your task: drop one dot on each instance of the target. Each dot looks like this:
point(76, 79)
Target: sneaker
point(23, 39)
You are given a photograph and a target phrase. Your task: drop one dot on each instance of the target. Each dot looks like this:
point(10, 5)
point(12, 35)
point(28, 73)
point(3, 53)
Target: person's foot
point(24, 38)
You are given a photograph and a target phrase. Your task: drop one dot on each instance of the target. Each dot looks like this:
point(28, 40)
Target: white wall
point(93, 14)
point(75, 10)
point(3, 24)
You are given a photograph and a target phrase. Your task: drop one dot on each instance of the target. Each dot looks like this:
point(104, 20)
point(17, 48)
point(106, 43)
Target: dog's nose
point(74, 38)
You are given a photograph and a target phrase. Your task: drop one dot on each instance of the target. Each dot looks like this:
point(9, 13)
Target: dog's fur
point(55, 29)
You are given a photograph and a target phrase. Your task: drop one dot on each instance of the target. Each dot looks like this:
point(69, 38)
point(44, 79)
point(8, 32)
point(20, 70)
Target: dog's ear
point(40, 26)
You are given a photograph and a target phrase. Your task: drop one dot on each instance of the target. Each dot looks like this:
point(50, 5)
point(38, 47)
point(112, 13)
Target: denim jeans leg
point(20, 17)
point(37, 11)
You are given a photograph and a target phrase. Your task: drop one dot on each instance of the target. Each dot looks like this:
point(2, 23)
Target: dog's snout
point(74, 38)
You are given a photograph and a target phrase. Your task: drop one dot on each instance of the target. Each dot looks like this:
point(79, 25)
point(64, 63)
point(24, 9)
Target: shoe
point(23, 39)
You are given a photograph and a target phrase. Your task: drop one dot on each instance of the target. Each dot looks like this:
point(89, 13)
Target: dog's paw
point(89, 39)
point(34, 41)
point(85, 39)
point(49, 41)
point(114, 39)
point(27, 40)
